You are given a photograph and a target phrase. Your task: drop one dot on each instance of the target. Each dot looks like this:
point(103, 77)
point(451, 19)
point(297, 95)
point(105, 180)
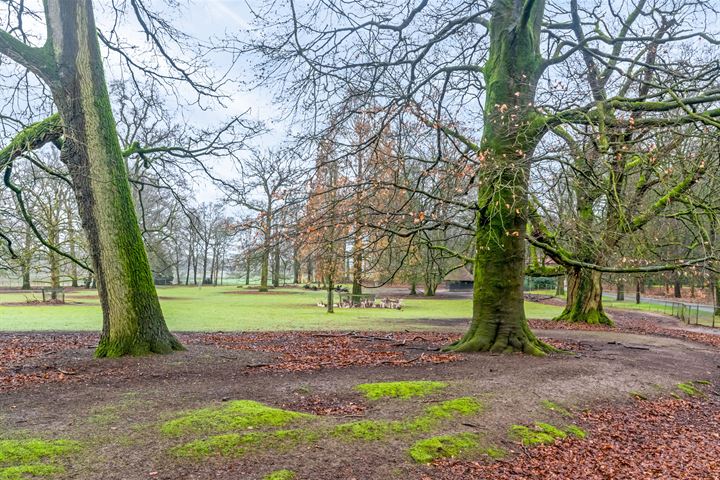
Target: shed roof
point(459, 275)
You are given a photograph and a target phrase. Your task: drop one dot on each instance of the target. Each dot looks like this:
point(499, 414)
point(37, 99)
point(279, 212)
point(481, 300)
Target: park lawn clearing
point(207, 309)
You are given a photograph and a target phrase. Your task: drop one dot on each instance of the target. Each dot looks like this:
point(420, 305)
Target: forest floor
point(645, 393)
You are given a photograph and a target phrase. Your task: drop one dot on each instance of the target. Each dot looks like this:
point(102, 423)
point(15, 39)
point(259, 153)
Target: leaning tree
point(70, 64)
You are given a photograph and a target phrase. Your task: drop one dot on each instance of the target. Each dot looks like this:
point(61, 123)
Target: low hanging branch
point(32, 137)
point(566, 260)
point(26, 216)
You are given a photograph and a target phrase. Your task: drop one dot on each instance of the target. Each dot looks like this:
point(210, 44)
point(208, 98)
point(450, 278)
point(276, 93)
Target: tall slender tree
point(70, 64)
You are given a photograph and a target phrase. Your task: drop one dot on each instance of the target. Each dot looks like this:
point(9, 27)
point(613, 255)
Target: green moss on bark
point(584, 299)
point(511, 131)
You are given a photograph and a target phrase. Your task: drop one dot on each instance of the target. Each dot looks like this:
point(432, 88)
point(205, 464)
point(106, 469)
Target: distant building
point(459, 280)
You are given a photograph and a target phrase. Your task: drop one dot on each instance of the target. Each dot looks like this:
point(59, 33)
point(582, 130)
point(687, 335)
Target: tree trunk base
point(114, 347)
point(591, 317)
point(519, 339)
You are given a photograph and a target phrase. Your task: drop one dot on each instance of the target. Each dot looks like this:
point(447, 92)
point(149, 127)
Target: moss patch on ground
point(543, 433)
point(451, 446)
point(20, 459)
point(444, 446)
point(239, 417)
point(238, 444)
point(236, 415)
point(554, 407)
point(280, 475)
point(22, 472)
point(379, 429)
point(375, 391)
point(689, 389)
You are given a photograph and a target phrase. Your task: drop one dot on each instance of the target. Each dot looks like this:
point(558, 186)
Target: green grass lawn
point(215, 308)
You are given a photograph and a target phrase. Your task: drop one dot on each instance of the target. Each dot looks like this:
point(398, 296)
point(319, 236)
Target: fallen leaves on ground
point(15, 349)
point(326, 405)
point(304, 351)
point(658, 440)
point(633, 322)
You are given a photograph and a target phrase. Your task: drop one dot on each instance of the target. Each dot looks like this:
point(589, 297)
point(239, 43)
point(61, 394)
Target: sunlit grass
point(237, 309)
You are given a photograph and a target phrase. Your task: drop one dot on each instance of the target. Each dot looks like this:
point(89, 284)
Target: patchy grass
point(543, 433)
point(218, 308)
point(22, 472)
point(554, 407)
point(375, 391)
point(689, 389)
point(379, 429)
point(637, 395)
point(238, 444)
point(236, 415)
point(34, 450)
point(20, 459)
point(245, 415)
point(280, 475)
point(455, 407)
point(444, 446)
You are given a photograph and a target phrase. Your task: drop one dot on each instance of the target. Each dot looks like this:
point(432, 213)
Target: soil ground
point(51, 387)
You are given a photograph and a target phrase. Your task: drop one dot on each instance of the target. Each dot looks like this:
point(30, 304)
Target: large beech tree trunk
point(133, 322)
point(512, 129)
point(584, 298)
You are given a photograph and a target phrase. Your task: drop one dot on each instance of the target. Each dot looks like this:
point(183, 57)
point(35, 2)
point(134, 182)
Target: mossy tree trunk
point(296, 266)
point(276, 266)
point(265, 257)
point(357, 270)
point(25, 267)
point(584, 298)
point(27, 258)
point(133, 322)
point(638, 290)
point(53, 237)
point(72, 242)
point(264, 267)
point(620, 294)
point(512, 130)
point(677, 288)
point(330, 299)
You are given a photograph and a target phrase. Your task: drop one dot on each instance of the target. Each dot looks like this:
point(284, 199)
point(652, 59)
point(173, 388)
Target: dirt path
point(115, 407)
